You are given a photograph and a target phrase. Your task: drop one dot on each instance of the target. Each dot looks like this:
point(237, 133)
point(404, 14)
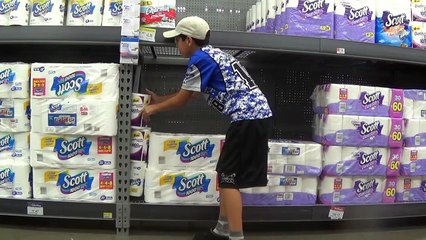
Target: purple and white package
point(413, 162)
point(415, 132)
point(411, 189)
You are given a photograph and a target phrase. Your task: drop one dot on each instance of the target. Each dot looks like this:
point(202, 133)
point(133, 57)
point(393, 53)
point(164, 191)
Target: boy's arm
point(158, 99)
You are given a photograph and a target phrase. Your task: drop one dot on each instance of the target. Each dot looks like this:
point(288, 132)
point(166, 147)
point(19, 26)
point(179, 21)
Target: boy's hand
point(154, 97)
point(147, 112)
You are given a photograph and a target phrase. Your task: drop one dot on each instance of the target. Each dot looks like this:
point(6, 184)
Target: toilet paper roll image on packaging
point(113, 11)
point(413, 161)
point(140, 142)
point(73, 151)
point(14, 115)
point(139, 102)
point(198, 187)
point(47, 12)
point(411, 189)
point(91, 81)
point(137, 178)
point(15, 146)
point(14, 80)
point(75, 184)
point(74, 116)
point(170, 151)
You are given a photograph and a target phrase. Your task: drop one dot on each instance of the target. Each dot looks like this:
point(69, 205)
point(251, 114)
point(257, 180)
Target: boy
point(229, 89)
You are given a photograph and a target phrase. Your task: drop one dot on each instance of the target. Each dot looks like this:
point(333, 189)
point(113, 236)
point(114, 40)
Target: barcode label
point(288, 196)
point(104, 72)
point(43, 190)
point(157, 194)
point(339, 137)
point(280, 197)
point(339, 168)
point(87, 127)
point(417, 140)
point(336, 196)
point(161, 160)
point(290, 169)
point(39, 157)
point(342, 107)
point(406, 196)
point(412, 167)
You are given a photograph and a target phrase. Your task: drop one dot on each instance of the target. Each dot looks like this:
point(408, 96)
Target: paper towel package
point(75, 184)
point(294, 158)
point(280, 17)
point(415, 104)
point(158, 13)
point(137, 178)
point(14, 115)
point(15, 146)
point(15, 180)
point(355, 20)
point(358, 131)
point(283, 190)
point(59, 151)
point(55, 80)
point(47, 12)
point(113, 11)
point(168, 151)
point(14, 80)
point(74, 116)
point(311, 18)
point(198, 187)
point(358, 100)
point(415, 132)
point(271, 6)
point(413, 162)
point(14, 12)
point(351, 190)
point(418, 9)
point(393, 22)
point(140, 141)
point(361, 161)
point(411, 189)
point(139, 101)
point(419, 35)
point(84, 13)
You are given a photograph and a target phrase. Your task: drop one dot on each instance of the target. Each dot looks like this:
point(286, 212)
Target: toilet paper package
point(415, 132)
point(259, 16)
point(418, 9)
point(358, 100)
point(168, 151)
point(198, 187)
point(14, 80)
point(253, 18)
point(361, 161)
point(312, 18)
point(15, 180)
point(294, 158)
point(73, 151)
point(393, 22)
point(415, 104)
point(271, 6)
point(283, 190)
point(419, 35)
point(263, 16)
point(358, 131)
point(15, 146)
point(139, 101)
point(113, 11)
point(411, 189)
point(413, 162)
point(14, 115)
point(84, 13)
point(280, 17)
point(14, 12)
point(74, 116)
point(158, 13)
point(74, 185)
point(137, 178)
point(355, 20)
point(55, 80)
point(351, 190)
point(47, 12)
point(140, 141)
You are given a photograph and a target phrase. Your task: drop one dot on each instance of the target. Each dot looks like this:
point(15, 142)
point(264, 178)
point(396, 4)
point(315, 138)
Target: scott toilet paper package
point(15, 146)
point(158, 13)
point(15, 179)
point(14, 115)
point(415, 104)
point(283, 190)
point(169, 151)
point(14, 80)
point(68, 151)
point(113, 11)
point(413, 162)
point(415, 132)
point(280, 17)
point(47, 12)
point(137, 178)
point(358, 131)
point(358, 100)
point(84, 12)
point(198, 187)
point(418, 8)
point(140, 141)
point(54, 80)
point(295, 158)
point(74, 116)
point(75, 185)
point(361, 161)
point(271, 6)
point(411, 189)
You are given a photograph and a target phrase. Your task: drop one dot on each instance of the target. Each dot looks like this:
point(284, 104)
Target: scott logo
point(8, 6)
point(135, 182)
point(371, 100)
point(190, 152)
point(390, 20)
point(42, 8)
point(365, 188)
point(188, 186)
point(116, 8)
point(75, 81)
point(83, 10)
point(6, 176)
point(313, 7)
point(69, 149)
point(6, 143)
point(7, 76)
point(55, 107)
point(358, 15)
point(366, 160)
point(367, 130)
point(71, 184)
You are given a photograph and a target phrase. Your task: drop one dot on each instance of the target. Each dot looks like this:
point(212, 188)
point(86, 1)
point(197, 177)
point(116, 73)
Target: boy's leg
point(231, 198)
point(222, 226)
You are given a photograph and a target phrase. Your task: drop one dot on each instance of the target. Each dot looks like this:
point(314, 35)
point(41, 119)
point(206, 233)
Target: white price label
point(340, 51)
point(36, 210)
point(147, 34)
point(336, 213)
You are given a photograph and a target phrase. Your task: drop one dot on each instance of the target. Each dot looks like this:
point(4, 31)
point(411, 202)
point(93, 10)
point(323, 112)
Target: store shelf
point(57, 209)
point(276, 44)
point(194, 213)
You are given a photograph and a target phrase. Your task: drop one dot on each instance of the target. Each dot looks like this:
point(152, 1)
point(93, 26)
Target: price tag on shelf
point(35, 209)
point(147, 34)
point(340, 51)
point(336, 213)
point(108, 215)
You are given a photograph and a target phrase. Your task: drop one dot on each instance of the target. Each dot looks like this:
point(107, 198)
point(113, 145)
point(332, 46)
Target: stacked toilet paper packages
point(361, 129)
point(74, 124)
point(418, 9)
point(293, 171)
point(14, 131)
point(181, 168)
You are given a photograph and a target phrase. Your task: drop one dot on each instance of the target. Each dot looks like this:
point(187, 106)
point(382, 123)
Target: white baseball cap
point(193, 26)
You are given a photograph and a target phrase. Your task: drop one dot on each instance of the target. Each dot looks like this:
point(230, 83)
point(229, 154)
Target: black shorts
point(243, 162)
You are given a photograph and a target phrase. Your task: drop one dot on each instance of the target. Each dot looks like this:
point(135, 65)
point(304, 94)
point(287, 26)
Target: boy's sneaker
point(209, 235)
